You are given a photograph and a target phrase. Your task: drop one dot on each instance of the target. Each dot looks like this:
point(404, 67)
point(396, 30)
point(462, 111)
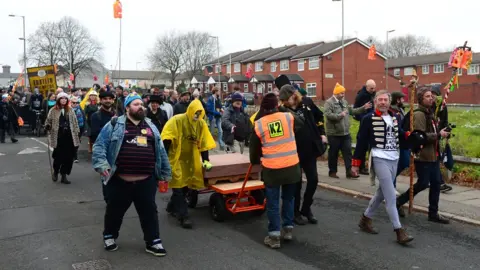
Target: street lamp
point(343, 49)
point(136, 65)
point(386, 60)
point(218, 59)
point(24, 49)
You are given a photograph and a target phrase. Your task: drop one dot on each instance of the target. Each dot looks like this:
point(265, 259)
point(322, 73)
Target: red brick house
point(433, 69)
point(315, 67)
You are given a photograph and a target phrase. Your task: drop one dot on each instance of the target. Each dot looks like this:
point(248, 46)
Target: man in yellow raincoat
point(187, 140)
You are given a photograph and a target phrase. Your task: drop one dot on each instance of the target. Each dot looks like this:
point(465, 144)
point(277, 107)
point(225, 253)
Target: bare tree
point(167, 55)
point(379, 45)
point(80, 51)
point(410, 45)
point(66, 43)
point(44, 45)
point(198, 49)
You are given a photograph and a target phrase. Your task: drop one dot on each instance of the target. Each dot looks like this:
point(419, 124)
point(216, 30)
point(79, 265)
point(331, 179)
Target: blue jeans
point(403, 163)
point(218, 125)
point(273, 207)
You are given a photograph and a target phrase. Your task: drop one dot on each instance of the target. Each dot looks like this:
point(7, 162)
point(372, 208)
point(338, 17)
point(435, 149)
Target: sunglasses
point(75, 102)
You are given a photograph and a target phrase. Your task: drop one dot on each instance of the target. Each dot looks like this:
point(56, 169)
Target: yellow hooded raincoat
point(189, 138)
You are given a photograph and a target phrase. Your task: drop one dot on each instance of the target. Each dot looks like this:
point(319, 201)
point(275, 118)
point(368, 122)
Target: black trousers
point(121, 194)
point(310, 169)
point(64, 153)
point(178, 203)
point(337, 144)
point(428, 174)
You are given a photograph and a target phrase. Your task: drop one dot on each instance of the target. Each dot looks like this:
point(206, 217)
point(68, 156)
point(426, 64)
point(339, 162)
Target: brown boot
point(366, 225)
point(333, 175)
point(402, 236)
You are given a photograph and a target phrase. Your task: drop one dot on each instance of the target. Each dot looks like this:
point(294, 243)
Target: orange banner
point(117, 10)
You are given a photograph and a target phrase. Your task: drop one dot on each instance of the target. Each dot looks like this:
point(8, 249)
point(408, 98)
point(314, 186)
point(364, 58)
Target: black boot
point(185, 222)
point(65, 180)
point(13, 140)
point(310, 217)
point(55, 176)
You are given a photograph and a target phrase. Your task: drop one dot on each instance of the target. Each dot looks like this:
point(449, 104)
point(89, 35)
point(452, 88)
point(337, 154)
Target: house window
point(301, 65)
point(425, 69)
point(236, 67)
point(408, 71)
point(313, 63)
point(311, 89)
point(396, 72)
point(438, 68)
point(273, 66)
point(217, 69)
point(459, 72)
point(269, 87)
point(229, 69)
point(258, 66)
point(473, 70)
point(284, 65)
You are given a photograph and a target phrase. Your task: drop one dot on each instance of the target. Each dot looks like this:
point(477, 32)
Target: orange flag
point(372, 53)
point(117, 10)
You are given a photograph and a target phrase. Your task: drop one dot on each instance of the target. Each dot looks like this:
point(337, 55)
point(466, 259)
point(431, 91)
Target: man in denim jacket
point(131, 158)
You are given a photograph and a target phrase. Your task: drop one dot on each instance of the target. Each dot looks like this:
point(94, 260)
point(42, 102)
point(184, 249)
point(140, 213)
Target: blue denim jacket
point(107, 146)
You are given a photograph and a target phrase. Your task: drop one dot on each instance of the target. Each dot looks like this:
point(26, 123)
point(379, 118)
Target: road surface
point(46, 225)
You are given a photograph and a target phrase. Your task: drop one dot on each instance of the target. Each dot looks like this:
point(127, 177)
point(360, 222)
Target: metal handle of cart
point(240, 194)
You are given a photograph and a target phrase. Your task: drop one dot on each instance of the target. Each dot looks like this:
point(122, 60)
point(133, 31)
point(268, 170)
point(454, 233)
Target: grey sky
point(246, 24)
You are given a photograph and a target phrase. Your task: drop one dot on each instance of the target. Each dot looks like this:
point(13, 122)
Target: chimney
point(6, 69)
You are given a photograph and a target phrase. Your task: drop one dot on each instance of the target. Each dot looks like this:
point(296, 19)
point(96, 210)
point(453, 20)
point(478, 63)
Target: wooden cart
point(235, 186)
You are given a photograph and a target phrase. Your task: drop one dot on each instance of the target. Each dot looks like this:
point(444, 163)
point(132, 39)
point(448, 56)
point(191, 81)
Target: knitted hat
point(4, 96)
point(236, 97)
point(302, 91)
point(286, 92)
point(156, 98)
point(93, 93)
point(62, 95)
point(436, 89)
point(131, 97)
point(269, 102)
point(281, 81)
point(105, 94)
point(338, 89)
point(396, 95)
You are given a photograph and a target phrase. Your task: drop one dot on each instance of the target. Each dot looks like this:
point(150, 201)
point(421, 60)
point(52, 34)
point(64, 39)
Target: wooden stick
point(413, 87)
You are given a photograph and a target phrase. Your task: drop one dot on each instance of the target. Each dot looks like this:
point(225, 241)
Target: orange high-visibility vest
point(278, 140)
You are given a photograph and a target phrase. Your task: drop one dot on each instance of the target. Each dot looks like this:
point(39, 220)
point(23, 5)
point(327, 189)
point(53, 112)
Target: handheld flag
point(117, 10)
point(372, 53)
point(249, 73)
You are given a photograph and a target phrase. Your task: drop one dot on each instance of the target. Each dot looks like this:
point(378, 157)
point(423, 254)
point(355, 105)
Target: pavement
point(46, 225)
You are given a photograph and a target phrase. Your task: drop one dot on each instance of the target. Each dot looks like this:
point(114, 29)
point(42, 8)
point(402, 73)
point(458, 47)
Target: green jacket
point(275, 177)
point(423, 120)
point(336, 124)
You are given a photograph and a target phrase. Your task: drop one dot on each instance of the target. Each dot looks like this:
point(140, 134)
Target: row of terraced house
point(317, 67)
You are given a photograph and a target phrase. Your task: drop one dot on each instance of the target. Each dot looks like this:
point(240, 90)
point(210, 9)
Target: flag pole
point(120, 52)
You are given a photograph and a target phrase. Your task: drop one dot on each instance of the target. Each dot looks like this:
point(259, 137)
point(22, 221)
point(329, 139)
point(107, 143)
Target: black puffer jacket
point(363, 96)
point(308, 138)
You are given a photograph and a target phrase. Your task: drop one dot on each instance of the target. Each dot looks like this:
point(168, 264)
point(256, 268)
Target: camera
point(449, 128)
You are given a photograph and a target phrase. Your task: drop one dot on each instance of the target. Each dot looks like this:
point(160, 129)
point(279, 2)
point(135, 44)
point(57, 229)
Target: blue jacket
point(212, 105)
point(107, 146)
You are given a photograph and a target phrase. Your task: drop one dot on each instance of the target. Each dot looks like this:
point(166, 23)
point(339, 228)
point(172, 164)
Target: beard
point(107, 105)
point(138, 115)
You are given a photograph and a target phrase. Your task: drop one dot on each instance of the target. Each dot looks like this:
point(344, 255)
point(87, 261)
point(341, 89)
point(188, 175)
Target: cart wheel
point(259, 196)
point(192, 198)
point(218, 209)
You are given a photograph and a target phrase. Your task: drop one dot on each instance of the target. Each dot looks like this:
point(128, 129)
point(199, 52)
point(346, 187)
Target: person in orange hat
point(337, 114)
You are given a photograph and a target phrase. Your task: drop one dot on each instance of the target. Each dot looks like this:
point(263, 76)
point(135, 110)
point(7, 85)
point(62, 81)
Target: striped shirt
point(134, 159)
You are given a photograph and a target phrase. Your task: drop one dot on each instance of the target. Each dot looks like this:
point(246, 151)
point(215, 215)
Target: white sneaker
point(397, 193)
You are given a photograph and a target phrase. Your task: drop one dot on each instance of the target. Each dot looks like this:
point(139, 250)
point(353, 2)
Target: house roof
point(266, 54)
point(249, 54)
point(226, 58)
point(238, 78)
point(436, 58)
point(138, 75)
point(9, 75)
point(199, 78)
point(321, 50)
point(263, 78)
point(287, 54)
point(214, 78)
point(295, 77)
